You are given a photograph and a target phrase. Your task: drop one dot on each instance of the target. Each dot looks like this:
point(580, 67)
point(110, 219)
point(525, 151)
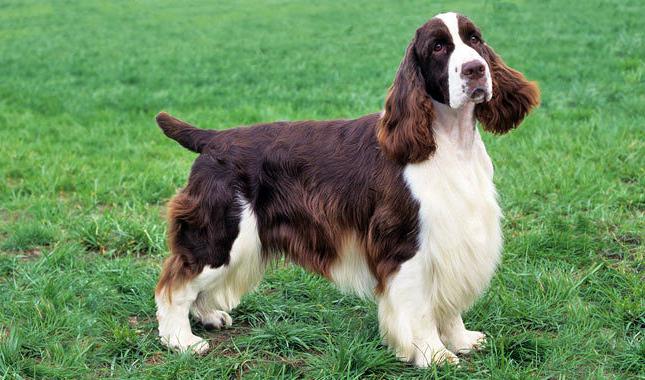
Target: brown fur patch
point(513, 96)
point(179, 267)
point(404, 132)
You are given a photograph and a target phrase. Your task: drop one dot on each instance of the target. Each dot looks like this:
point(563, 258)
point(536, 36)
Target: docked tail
point(189, 137)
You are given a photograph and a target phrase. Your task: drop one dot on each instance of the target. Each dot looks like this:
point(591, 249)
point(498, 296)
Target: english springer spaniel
point(398, 205)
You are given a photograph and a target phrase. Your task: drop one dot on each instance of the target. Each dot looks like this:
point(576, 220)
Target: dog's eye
point(437, 47)
point(474, 39)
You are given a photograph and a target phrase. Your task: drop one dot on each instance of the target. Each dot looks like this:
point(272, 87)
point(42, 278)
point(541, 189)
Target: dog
point(399, 206)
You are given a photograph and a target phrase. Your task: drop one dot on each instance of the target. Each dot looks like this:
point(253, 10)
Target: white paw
point(216, 319)
point(468, 341)
point(190, 342)
point(438, 357)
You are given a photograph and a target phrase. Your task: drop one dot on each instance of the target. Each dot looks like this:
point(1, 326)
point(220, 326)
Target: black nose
point(472, 70)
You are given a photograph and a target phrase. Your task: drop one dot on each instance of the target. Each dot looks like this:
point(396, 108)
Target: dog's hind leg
point(205, 238)
point(242, 274)
point(174, 300)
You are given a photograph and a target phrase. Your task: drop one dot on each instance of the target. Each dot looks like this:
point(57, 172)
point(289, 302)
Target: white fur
point(350, 271)
point(462, 54)
point(172, 315)
point(214, 292)
point(406, 315)
point(460, 242)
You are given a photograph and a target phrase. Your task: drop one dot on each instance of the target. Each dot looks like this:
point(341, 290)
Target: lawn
point(85, 174)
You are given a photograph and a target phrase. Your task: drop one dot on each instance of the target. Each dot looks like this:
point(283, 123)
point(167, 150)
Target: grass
point(84, 174)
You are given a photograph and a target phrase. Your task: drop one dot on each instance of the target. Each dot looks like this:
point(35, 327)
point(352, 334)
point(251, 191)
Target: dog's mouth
point(477, 95)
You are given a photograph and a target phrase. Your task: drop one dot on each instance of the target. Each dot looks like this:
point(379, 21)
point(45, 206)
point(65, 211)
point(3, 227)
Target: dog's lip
point(478, 94)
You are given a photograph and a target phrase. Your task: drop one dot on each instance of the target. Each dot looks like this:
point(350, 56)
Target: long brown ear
point(404, 131)
point(513, 96)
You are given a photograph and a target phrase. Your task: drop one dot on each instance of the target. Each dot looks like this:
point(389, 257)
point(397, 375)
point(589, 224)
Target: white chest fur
point(460, 236)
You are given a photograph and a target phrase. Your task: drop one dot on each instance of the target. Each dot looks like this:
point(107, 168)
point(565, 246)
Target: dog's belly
point(350, 272)
point(460, 236)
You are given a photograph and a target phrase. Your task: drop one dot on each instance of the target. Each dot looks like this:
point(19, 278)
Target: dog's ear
point(513, 96)
point(404, 131)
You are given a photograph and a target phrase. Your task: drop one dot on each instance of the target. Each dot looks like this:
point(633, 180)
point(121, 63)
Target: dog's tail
point(189, 137)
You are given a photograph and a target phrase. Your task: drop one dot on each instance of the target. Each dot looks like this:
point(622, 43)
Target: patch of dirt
point(9, 216)
point(141, 325)
point(25, 254)
point(612, 254)
point(220, 339)
point(154, 359)
point(31, 254)
point(133, 321)
point(247, 365)
point(629, 239)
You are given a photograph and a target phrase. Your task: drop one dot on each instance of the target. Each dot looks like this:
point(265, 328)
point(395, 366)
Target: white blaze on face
point(457, 86)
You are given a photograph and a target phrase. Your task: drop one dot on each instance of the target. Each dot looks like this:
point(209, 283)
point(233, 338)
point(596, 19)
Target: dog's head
point(449, 62)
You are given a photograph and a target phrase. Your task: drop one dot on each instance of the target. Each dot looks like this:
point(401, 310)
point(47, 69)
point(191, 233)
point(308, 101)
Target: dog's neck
point(456, 126)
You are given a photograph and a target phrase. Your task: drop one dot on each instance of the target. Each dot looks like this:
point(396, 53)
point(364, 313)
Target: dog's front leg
point(459, 340)
point(407, 321)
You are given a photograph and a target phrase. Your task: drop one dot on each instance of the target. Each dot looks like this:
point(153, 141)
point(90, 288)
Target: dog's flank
point(400, 205)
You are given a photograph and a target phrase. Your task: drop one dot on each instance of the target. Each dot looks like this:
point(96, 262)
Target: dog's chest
point(459, 218)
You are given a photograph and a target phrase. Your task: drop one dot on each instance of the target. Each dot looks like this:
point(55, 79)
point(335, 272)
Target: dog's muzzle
point(474, 73)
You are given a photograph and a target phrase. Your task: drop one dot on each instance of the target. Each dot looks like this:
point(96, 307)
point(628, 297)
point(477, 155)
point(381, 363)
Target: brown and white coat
point(398, 205)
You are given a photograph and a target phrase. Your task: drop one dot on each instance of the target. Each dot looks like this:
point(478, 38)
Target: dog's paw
point(190, 343)
point(216, 319)
point(437, 357)
point(469, 341)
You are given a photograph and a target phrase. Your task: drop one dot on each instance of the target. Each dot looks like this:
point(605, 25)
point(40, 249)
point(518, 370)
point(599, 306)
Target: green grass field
point(85, 174)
